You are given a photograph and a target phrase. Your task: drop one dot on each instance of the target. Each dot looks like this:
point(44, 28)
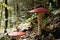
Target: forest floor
point(32, 34)
point(8, 30)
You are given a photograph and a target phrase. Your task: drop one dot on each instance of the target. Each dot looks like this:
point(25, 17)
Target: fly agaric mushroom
point(40, 11)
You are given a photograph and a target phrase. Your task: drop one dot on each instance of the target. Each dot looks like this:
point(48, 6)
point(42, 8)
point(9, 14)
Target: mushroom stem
point(17, 38)
point(39, 23)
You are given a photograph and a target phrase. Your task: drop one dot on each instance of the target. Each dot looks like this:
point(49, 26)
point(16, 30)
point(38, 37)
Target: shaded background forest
point(14, 12)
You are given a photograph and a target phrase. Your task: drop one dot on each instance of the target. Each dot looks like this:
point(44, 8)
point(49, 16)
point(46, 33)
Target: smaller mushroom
point(16, 34)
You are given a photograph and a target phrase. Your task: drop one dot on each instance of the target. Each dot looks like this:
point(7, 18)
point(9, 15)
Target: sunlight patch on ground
point(2, 31)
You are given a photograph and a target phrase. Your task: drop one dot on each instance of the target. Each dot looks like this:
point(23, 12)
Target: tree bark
point(6, 17)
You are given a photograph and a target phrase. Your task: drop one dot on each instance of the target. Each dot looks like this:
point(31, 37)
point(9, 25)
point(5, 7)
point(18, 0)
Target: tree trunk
point(1, 17)
point(6, 17)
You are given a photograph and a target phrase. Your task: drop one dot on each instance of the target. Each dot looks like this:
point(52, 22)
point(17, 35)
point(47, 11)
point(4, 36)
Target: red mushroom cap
point(40, 10)
point(16, 33)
